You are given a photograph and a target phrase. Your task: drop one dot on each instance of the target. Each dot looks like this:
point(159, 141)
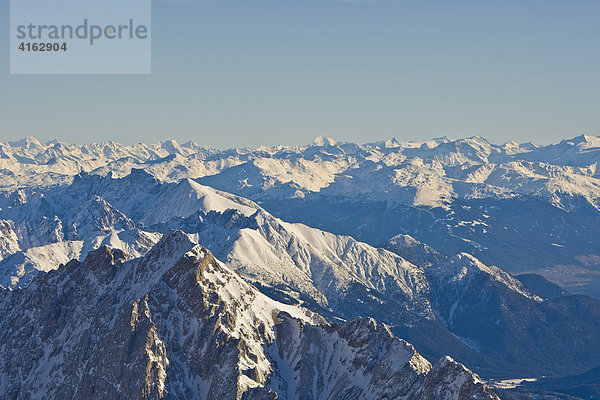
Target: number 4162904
point(43, 46)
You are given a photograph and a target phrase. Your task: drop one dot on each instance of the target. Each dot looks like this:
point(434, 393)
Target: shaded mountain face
point(541, 286)
point(177, 323)
point(493, 313)
point(478, 314)
point(487, 315)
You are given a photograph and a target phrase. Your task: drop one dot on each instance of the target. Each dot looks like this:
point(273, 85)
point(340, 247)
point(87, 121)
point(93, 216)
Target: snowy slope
point(18, 269)
point(308, 261)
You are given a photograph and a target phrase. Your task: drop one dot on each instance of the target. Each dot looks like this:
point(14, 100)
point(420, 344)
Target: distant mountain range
point(464, 248)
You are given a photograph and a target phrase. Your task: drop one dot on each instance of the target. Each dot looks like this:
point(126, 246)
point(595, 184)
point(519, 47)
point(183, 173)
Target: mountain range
point(484, 253)
point(492, 201)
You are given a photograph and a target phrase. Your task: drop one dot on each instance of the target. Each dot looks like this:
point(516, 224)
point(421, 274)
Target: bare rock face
point(451, 380)
point(178, 324)
point(9, 242)
point(96, 217)
point(361, 359)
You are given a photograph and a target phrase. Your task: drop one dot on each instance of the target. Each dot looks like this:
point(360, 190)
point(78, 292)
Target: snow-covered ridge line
point(432, 172)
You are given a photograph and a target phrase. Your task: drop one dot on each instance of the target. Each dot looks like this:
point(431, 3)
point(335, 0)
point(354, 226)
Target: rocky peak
point(177, 323)
point(448, 370)
point(103, 257)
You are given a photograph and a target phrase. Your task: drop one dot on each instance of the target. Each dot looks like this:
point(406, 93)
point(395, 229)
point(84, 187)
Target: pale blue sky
point(249, 72)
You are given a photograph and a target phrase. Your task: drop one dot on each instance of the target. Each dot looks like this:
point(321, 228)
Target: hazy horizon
point(15, 142)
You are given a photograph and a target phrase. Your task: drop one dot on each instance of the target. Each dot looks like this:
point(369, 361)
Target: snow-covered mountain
point(421, 236)
point(421, 293)
point(177, 323)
